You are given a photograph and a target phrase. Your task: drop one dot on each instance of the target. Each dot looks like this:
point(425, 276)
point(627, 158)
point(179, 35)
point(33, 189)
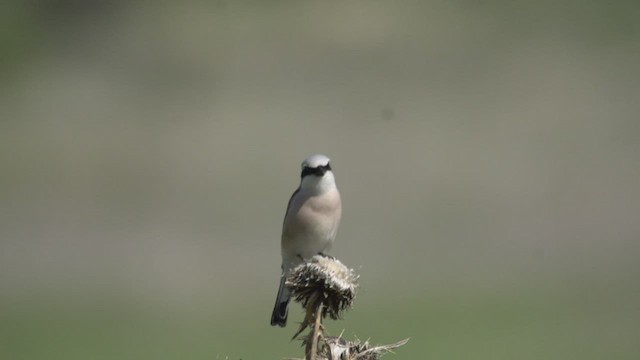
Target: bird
point(310, 224)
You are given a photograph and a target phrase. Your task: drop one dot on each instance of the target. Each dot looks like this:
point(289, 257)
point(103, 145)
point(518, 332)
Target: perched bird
point(310, 224)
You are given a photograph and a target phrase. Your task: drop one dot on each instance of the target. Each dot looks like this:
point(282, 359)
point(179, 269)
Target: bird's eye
point(307, 171)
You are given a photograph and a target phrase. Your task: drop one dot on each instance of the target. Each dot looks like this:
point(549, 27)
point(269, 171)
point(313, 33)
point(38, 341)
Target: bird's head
point(316, 173)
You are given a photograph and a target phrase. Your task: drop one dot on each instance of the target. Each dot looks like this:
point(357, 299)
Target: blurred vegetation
point(487, 154)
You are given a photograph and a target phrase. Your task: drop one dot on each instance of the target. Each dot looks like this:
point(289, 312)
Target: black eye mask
point(317, 171)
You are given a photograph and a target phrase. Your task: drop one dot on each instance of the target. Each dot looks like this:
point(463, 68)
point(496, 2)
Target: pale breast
point(311, 225)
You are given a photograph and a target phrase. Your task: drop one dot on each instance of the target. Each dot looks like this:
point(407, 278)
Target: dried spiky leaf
point(338, 348)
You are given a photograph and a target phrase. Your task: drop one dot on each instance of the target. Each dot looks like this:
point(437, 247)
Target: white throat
point(318, 184)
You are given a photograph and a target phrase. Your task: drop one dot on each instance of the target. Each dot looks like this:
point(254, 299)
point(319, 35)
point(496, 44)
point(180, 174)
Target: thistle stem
point(312, 347)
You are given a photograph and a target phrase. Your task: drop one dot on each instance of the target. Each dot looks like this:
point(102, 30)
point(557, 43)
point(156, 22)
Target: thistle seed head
point(323, 280)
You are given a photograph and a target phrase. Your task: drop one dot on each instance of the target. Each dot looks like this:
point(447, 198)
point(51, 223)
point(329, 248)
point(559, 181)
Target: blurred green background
point(488, 154)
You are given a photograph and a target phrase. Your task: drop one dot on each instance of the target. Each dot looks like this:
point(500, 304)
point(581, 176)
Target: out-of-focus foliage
point(487, 154)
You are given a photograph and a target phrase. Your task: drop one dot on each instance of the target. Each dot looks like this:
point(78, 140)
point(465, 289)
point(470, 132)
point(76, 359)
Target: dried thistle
point(326, 287)
point(322, 280)
point(364, 351)
point(337, 348)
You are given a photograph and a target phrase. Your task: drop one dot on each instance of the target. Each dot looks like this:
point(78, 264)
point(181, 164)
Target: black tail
point(279, 316)
point(281, 308)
